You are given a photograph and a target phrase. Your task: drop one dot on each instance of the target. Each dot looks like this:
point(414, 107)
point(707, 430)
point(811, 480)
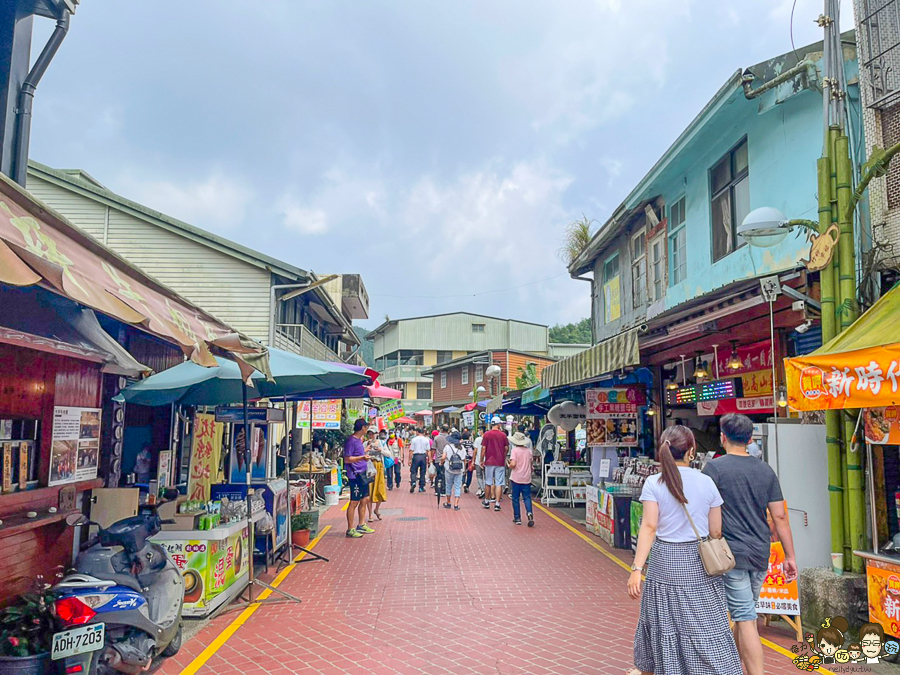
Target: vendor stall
point(860, 370)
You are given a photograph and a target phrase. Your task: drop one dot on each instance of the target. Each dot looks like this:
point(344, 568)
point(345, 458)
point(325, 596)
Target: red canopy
point(405, 420)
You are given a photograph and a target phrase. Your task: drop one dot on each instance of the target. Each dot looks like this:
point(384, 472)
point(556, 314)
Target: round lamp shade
point(764, 227)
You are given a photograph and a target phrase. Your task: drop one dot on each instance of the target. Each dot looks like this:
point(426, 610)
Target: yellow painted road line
point(771, 645)
point(344, 507)
point(242, 618)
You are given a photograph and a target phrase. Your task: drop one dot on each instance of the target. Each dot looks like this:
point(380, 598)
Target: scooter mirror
point(74, 519)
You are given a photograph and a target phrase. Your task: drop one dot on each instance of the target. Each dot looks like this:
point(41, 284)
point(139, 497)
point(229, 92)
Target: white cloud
point(217, 203)
point(304, 220)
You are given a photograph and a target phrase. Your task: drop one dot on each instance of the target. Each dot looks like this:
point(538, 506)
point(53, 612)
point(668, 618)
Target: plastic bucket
point(332, 492)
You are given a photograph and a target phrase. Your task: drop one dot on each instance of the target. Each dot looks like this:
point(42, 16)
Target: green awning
point(610, 355)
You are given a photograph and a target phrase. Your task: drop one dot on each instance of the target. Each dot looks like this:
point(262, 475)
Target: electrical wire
point(466, 295)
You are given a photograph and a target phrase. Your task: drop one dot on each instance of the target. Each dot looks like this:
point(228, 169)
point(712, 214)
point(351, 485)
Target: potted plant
point(313, 515)
point(300, 526)
point(26, 632)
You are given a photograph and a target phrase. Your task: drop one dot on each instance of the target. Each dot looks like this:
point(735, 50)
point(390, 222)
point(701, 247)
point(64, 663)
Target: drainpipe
point(26, 97)
point(748, 77)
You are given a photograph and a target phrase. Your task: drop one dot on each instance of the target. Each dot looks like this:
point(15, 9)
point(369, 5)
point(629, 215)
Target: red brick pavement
point(444, 592)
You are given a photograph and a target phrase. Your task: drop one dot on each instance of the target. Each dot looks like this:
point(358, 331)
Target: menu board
point(75, 449)
point(612, 415)
point(777, 595)
point(325, 414)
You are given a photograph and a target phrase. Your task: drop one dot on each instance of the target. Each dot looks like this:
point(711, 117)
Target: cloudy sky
point(437, 148)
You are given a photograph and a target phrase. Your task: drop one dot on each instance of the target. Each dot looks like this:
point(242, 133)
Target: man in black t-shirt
point(748, 487)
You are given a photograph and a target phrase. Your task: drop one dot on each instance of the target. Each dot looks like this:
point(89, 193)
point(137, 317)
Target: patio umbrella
point(423, 413)
point(405, 420)
point(190, 384)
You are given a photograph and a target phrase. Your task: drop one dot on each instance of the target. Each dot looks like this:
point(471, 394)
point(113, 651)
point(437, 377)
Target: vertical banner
point(7, 467)
point(325, 414)
point(204, 456)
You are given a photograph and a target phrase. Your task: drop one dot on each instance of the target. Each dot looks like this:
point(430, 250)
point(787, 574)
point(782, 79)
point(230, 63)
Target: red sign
point(753, 357)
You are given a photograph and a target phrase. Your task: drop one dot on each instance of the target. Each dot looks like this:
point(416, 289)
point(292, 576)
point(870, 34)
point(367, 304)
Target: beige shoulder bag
point(715, 554)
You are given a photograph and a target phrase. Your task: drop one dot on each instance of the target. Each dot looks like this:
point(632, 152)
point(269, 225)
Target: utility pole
point(17, 82)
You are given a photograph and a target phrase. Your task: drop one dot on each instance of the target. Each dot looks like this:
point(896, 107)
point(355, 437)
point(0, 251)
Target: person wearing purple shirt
point(355, 463)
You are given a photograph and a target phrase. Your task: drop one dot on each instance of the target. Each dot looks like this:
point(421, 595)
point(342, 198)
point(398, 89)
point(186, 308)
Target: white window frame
point(479, 372)
point(637, 263)
point(464, 375)
point(674, 230)
point(443, 379)
point(651, 270)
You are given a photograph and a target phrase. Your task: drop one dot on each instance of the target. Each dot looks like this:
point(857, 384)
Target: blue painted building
point(672, 243)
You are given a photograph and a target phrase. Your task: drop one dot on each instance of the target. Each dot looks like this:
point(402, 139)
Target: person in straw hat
point(520, 476)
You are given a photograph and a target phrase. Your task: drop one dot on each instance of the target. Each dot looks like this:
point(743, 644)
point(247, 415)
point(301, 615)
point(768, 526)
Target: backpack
point(456, 462)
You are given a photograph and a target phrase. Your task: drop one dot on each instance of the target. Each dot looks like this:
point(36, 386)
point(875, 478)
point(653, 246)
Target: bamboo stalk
point(832, 426)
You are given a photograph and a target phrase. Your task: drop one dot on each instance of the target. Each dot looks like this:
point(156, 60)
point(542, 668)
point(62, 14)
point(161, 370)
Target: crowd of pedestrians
point(685, 608)
point(446, 460)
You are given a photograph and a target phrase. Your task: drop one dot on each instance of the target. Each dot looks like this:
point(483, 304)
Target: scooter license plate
point(78, 641)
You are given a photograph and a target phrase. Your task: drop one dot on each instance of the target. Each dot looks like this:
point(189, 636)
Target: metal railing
point(880, 25)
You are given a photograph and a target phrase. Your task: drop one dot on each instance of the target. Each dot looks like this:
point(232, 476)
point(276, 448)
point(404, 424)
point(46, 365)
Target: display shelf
point(569, 486)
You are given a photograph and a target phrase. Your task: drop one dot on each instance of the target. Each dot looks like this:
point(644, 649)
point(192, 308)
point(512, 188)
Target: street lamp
point(492, 373)
point(766, 226)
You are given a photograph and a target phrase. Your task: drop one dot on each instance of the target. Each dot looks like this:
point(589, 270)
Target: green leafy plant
point(301, 521)
point(527, 376)
point(576, 238)
point(27, 627)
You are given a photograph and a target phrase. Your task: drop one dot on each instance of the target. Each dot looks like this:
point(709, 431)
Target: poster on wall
point(612, 415)
point(325, 414)
point(205, 450)
point(612, 300)
point(258, 455)
point(883, 425)
point(75, 449)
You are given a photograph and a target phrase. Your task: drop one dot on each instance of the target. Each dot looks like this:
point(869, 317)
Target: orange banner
point(867, 378)
point(883, 425)
point(883, 581)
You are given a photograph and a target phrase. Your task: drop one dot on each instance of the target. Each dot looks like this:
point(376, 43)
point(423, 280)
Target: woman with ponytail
point(683, 629)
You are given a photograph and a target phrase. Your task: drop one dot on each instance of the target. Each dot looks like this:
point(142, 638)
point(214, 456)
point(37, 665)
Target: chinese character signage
point(757, 383)
point(883, 581)
point(205, 452)
point(325, 414)
point(754, 358)
point(869, 378)
point(612, 415)
point(777, 595)
point(75, 450)
point(883, 425)
point(391, 410)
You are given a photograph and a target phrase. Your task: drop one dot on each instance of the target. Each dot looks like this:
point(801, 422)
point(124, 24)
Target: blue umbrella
point(191, 384)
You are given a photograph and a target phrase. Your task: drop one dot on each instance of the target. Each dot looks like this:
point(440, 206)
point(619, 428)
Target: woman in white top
point(683, 629)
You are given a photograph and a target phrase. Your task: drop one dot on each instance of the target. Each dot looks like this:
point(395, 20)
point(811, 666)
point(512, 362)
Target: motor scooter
point(120, 609)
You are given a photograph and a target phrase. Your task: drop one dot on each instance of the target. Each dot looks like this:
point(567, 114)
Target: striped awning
point(610, 355)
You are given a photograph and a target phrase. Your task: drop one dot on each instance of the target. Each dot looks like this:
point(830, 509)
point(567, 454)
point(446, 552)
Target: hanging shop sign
point(325, 414)
point(754, 358)
point(777, 595)
point(883, 425)
point(205, 451)
point(235, 415)
point(468, 419)
point(75, 448)
point(612, 415)
point(566, 415)
point(867, 378)
point(757, 383)
point(746, 406)
point(392, 410)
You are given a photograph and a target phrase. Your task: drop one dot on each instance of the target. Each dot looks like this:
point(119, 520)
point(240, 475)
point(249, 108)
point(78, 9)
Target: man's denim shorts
point(495, 475)
point(742, 590)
